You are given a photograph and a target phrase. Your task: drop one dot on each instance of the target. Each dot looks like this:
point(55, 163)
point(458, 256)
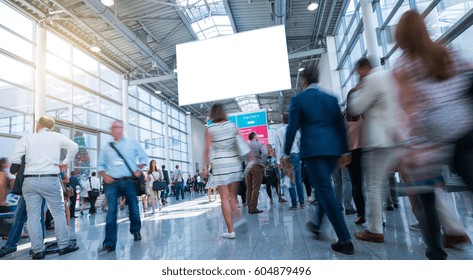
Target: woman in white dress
point(154, 174)
point(226, 164)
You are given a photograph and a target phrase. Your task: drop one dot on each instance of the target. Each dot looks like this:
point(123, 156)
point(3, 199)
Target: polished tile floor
point(191, 230)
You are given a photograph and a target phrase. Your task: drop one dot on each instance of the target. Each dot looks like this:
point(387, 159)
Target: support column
point(190, 155)
point(40, 74)
point(125, 108)
point(167, 152)
point(370, 33)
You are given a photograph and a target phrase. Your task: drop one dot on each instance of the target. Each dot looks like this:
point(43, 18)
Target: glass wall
point(83, 94)
point(178, 139)
point(146, 122)
point(439, 19)
point(17, 53)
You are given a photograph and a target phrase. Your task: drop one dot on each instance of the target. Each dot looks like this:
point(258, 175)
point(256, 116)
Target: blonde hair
point(47, 122)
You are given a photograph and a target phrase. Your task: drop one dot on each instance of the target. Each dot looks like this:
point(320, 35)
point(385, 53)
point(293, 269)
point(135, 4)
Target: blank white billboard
point(226, 67)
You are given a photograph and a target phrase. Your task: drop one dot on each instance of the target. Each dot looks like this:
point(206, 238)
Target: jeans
point(117, 188)
point(177, 187)
point(17, 226)
point(319, 171)
point(297, 181)
point(341, 180)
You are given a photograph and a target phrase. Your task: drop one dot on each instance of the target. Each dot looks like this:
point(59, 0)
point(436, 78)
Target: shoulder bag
point(242, 147)
point(140, 183)
point(158, 185)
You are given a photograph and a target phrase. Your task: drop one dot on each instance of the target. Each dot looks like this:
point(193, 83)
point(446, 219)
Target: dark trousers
point(356, 177)
point(242, 191)
point(93, 200)
point(430, 225)
point(72, 204)
point(320, 169)
point(305, 180)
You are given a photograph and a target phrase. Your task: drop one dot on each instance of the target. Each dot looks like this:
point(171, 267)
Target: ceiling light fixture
point(157, 91)
point(95, 47)
point(301, 69)
point(108, 3)
point(313, 5)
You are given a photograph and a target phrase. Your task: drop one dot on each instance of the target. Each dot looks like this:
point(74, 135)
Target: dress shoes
point(350, 211)
point(38, 256)
point(108, 249)
point(137, 236)
point(369, 236)
point(360, 220)
point(257, 211)
point(344, 248)
point(5, 251)
point(450, 241)
point(315, 229)
point(69, 249)
point(282, 200)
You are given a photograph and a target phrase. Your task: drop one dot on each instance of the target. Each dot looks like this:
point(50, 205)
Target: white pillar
point(370, 33)
point(40, 75)
point(125, 108)
point(167, 151)
point(190, 155)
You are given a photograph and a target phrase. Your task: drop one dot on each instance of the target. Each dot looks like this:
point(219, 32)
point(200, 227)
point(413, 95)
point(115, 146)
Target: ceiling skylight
point(208, 18)
point(248, 103)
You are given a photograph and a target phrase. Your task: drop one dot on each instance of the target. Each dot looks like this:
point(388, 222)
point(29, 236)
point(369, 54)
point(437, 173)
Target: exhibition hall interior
point(159, 67)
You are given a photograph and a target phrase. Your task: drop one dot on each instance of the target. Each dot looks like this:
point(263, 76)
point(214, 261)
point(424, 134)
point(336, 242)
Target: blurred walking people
point(376, 99)
point(42, 151)
point(426, 72)
point(226, 165)
point(323, 141)
point(117, 166)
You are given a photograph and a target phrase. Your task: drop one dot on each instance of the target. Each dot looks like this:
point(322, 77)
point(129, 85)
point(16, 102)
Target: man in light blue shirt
point(116, 174)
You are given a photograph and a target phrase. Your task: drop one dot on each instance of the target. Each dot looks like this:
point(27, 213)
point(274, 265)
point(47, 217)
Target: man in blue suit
point(323, 142)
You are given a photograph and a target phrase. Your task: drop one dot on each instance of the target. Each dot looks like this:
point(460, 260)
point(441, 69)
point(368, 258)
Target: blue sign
point(251, 119)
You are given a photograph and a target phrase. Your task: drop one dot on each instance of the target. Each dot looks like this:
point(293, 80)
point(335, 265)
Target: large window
point(79, 88)
point(146, 122)
point(17, 48)
point(438, 20)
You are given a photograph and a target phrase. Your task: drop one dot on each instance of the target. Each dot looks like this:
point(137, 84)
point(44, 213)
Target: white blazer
point(378, 102)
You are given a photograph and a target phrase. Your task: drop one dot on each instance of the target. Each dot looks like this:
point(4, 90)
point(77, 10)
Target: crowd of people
point(406, 120)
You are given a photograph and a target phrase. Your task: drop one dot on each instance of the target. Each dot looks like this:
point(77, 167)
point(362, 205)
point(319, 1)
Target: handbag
point(159, 185)
point(140, 183)
point(67, 189)
point(242, 147)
